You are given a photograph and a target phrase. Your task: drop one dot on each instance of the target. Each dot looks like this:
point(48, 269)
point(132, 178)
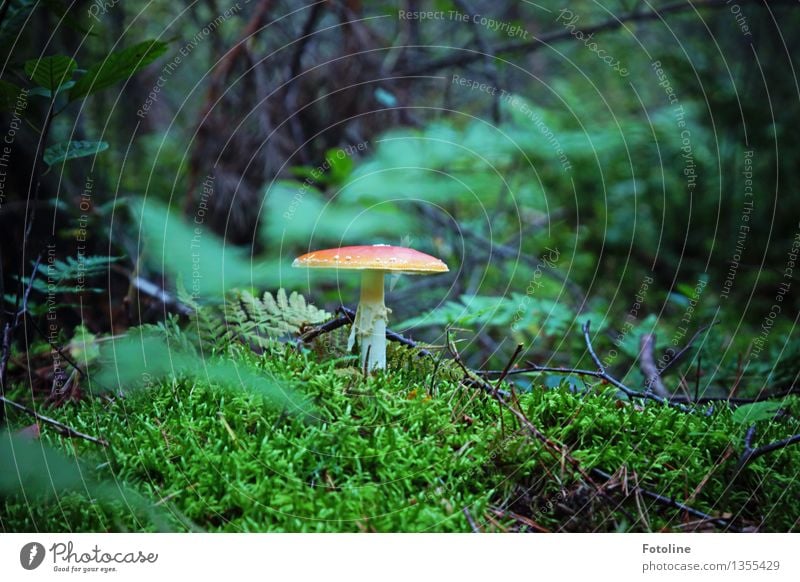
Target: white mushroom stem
point(369, 326)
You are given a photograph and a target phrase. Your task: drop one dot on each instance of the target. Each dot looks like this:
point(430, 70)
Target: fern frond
point(258, 320)
point(70, 275)
point(255, 321)
point(206, 324)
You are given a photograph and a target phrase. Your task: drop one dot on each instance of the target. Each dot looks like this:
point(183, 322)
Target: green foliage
point(142, 358)
point(42, 476)
point(9, 93)
point(257, 320)
point(757, 411)
point(69, 275)
point(61, 152)
point(517, 312)
point(117, 66)
point(51, 72)
point(245, 318)
point(299, 215)
point(191, 253)
point(384, 454)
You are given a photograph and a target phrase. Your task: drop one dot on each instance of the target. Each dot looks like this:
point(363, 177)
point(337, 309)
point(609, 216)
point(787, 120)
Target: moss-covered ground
point(408, 450)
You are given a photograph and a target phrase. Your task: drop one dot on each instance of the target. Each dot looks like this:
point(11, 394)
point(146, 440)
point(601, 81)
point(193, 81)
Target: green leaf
point(51, 72)
point(42, 92)
point(70, 150)
point(9, 94)
point(207, 264)
point(750, 413)
point(118, 66)
point(341, 165)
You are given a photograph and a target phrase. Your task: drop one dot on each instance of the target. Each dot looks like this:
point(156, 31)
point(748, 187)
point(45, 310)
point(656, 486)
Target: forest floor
point(413, 449)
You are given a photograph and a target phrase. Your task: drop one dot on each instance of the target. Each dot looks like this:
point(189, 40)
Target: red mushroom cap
point(374, 257)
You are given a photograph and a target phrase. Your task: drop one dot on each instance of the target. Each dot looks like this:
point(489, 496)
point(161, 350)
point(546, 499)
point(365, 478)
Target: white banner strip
point(371, 557)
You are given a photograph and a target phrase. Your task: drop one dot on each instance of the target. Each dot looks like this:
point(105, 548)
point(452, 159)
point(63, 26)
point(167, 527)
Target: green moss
point(403, 451)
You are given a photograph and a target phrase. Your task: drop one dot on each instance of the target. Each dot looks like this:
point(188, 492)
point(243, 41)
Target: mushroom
point(374, 261)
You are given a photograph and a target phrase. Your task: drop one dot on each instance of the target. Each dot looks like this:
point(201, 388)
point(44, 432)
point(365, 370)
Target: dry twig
point(62, 428)
point(750, 453)
point(647, 363)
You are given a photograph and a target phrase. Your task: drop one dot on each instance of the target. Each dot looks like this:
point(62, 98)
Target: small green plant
point(252, 320)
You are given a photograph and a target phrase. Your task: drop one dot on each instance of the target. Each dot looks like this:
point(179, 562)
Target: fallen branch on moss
point(600, 373)
point(62, 428)
point(557, 450)
point(561, 452)
point(614, 382)
point(346, 317)
point(750, 454)
point(669, 502)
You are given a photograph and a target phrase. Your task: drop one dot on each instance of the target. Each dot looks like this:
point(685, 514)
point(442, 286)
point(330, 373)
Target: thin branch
point(670, 502)
point(534, 368)
point(677, 357)
point(58, 349)
point(734, 401)
point(510, 363)
point(471, 521)
point(559, 451)
point(62, 428)
point(463, 58)
point(11, 327)
point(750, 454)
point(647, 363)
point(611, 380)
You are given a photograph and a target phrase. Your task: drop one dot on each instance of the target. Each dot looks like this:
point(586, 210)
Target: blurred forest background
point(554, 179)
point(633, 163)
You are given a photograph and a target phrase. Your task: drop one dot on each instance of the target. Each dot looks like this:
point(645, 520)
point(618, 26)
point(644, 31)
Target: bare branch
point(62, 428)
point(648, 365)
point(11, 327)
point(463, 58)
point(750, 454)
point(347, 316)
point(679, 356)
point(669, 502)
point(611, 380)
